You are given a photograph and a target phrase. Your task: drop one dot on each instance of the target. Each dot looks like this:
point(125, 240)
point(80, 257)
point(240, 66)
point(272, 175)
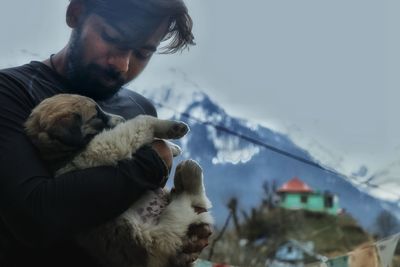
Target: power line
point(257, 142)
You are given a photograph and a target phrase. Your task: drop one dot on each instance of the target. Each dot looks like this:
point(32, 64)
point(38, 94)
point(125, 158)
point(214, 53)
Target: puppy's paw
point(188, 177)
point(189, 180)
point(183, 260)
point(169, 129)
point(177, 130)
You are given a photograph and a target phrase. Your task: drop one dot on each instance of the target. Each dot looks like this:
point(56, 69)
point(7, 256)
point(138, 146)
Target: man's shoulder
point(129, 104)
point(21, 76)
point(21, 71)
point(34, 81)
point(17, 98)
point(14, 82)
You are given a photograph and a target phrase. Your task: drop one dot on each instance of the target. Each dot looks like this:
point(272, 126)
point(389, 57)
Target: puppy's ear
point(68, 130)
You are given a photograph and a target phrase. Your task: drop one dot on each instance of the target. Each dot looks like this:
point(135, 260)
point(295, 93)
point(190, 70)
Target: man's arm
point(39, 209)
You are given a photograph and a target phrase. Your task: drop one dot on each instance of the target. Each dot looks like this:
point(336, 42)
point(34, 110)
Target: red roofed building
point(295, 185)
point(295, 194)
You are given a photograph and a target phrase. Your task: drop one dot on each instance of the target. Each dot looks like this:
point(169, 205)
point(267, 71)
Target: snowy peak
point(235, 166)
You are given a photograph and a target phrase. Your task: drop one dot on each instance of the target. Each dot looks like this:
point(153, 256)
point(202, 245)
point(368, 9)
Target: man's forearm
point(56, 209)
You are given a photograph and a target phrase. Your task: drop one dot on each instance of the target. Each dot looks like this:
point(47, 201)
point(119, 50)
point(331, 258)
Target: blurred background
point(293, 109)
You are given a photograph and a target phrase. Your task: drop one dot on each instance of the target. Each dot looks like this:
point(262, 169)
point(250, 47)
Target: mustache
point(109, 72)
point(95, 70)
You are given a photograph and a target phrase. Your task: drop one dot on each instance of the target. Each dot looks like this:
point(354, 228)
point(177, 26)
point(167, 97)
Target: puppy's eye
point(77, 116)
point(97, 124)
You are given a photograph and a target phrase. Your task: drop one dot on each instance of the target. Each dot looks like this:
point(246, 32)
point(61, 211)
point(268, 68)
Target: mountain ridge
point(227, 160)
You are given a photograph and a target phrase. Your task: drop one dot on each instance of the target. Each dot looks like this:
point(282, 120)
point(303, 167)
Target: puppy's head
point(67, 121)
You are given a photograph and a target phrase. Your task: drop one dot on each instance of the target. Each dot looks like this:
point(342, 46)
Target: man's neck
point(57, 62)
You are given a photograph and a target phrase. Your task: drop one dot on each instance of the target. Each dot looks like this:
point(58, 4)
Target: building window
point(303, 199)
point(328, 201)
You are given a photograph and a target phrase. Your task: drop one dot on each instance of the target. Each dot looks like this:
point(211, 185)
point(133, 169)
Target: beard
point(91, 80)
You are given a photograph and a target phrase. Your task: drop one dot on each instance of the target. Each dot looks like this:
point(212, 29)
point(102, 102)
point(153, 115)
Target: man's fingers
point(164, 151)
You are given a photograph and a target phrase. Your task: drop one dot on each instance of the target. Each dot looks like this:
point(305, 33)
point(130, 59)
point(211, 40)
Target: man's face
point(101, 58)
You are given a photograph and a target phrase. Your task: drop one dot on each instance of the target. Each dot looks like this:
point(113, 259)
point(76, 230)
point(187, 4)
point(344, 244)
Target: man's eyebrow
point(125, 39)
point(121, 38)
point(131, 43)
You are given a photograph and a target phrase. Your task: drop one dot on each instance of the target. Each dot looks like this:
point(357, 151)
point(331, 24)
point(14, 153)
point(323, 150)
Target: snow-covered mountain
point(235, 167)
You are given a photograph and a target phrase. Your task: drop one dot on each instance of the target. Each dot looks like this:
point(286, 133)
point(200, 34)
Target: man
point(111, 43)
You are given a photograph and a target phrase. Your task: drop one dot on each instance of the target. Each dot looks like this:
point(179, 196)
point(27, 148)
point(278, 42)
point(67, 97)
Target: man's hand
point(164, 151)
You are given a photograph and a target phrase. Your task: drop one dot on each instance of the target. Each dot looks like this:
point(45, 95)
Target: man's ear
point(75, 12)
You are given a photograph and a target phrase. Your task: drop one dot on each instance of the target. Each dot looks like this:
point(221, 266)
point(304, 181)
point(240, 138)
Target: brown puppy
point(72, 133)
point(64, 124)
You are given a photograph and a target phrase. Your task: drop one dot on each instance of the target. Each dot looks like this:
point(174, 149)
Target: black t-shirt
point(40, 214)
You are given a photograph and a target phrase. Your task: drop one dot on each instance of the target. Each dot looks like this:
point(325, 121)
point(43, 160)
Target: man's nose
point(120, 61)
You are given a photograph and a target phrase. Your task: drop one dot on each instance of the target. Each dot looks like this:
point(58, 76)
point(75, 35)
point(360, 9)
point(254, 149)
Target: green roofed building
point(295, 194)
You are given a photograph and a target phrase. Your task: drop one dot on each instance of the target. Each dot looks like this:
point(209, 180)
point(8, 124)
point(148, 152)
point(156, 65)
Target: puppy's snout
point(110, 120)
point(114, 120)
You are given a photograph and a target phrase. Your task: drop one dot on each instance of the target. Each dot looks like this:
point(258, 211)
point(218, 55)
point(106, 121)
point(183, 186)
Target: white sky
point(324, 72)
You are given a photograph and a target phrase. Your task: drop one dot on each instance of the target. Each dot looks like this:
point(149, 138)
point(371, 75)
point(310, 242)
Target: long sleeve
point(39, 209)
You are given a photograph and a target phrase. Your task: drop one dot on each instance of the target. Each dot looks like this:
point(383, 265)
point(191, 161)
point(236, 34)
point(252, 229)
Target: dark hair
point(143, 16)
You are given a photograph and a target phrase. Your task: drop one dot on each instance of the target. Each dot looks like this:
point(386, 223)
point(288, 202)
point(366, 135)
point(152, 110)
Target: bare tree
point(386, 224)
point(232, 206)
point(270, 198)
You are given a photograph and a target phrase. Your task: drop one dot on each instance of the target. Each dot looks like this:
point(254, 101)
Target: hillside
point(265, 230)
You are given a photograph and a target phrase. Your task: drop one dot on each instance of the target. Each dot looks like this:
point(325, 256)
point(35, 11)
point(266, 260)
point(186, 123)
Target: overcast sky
point(324, 72)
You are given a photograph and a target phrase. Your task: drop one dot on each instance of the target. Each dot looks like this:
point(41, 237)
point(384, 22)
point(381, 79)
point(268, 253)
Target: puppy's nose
point(114, 120)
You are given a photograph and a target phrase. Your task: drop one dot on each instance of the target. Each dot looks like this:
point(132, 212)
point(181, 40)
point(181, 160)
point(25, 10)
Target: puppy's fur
point(72, 132)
